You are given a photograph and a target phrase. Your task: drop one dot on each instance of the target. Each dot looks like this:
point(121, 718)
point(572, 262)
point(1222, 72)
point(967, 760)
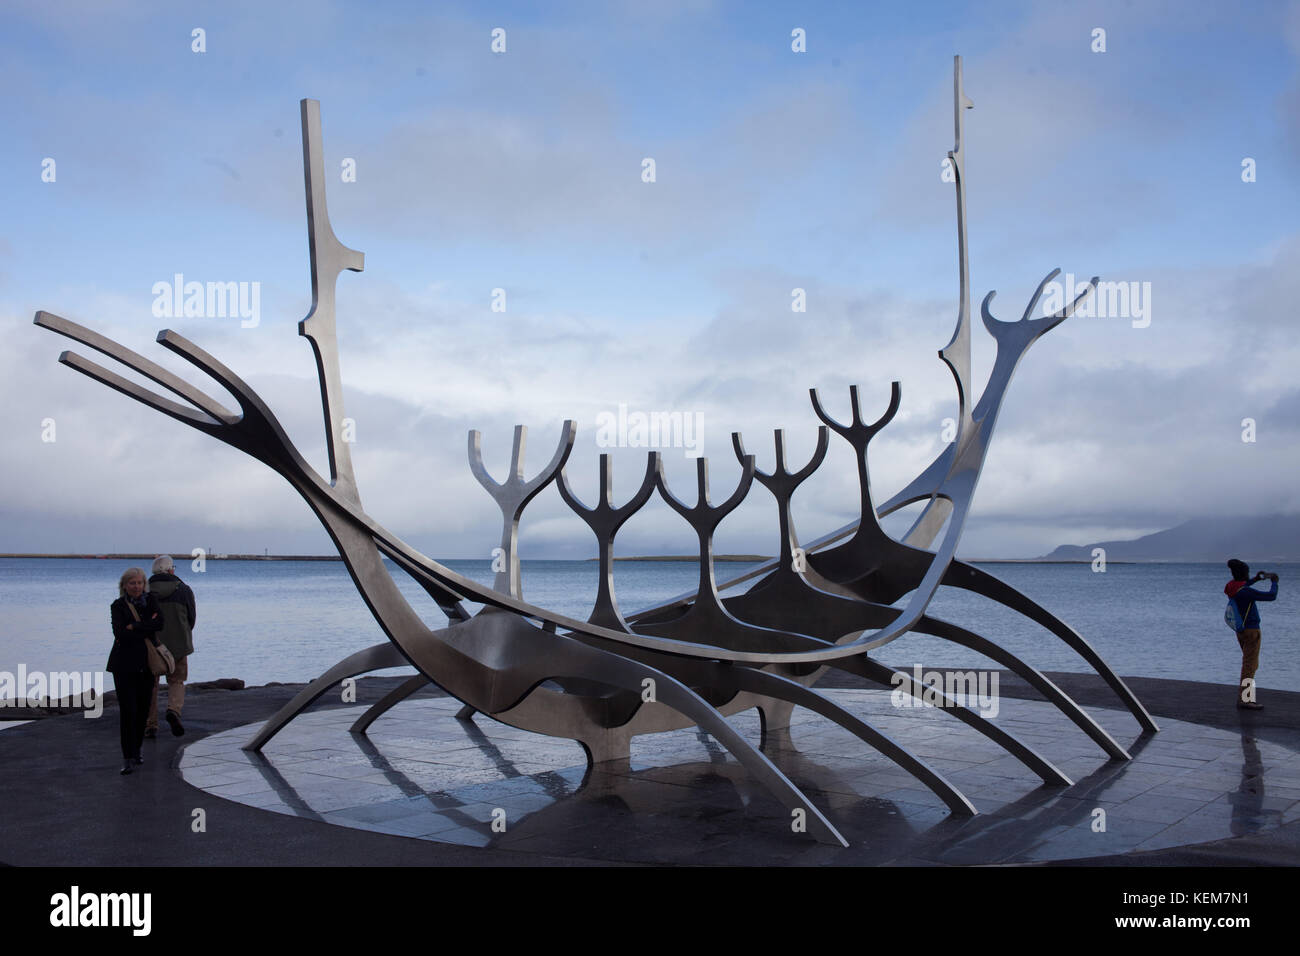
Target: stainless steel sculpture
point(702, 656)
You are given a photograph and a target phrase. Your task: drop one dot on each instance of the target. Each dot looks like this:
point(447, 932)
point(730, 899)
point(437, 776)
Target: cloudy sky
point(774, 170)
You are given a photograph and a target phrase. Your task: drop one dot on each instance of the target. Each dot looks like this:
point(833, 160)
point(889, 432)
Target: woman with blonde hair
point(136, 618)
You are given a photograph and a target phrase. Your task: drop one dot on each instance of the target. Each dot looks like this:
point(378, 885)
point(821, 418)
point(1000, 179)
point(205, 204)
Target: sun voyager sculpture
point(704, 656)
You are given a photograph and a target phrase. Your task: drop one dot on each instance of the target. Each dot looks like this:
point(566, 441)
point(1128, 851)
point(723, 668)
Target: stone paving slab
point(1228, 782)
point(681, 790)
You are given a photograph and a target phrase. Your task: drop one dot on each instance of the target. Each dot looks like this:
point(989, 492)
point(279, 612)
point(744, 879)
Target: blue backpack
point(1232, 615)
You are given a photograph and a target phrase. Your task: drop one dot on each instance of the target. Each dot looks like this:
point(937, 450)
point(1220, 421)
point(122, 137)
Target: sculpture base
point(682, 799)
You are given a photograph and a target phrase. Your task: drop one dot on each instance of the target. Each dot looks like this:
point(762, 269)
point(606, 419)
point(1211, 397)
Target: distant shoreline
point(745, 558)
point(759, 558)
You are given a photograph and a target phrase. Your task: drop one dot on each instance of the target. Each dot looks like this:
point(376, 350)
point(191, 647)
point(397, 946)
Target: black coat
point(128, 652)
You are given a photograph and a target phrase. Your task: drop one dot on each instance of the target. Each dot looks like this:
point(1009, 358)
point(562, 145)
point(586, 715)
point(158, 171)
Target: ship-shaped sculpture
point(692, 661)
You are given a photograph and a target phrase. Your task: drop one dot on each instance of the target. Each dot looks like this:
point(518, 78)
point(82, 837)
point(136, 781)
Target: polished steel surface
point(329, 257)
point(362, 662)
point(513, 495)
point(692, 661)
point(605, 520)
point(682, 800)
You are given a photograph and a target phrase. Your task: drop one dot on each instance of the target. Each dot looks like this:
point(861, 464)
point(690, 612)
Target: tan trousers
point(1249, 640)
point(175, 692)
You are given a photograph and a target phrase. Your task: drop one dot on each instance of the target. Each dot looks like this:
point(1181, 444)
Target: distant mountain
point(1256, 541)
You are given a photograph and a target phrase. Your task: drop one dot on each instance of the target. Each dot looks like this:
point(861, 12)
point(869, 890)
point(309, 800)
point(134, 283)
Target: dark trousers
point(1249, 640)
point(133, 690)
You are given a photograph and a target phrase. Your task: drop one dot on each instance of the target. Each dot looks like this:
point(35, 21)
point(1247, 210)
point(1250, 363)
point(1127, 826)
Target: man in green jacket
point(177, 603)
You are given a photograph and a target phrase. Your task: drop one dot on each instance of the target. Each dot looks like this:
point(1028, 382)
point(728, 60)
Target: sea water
point(288, 621)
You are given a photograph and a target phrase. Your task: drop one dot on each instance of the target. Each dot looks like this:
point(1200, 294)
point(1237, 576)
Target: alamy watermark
point(978, 689)
point(683, 430)
point(1110, 300)
point(74, 908)
point(57, 688)
point(208, 300)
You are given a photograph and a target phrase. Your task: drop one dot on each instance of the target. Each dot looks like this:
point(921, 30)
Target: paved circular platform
point(422, 774)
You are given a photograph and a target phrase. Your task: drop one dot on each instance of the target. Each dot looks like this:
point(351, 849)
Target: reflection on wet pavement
point(682, 798)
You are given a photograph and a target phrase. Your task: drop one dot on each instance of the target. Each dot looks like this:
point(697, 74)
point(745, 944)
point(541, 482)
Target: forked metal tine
point(476, 461)
point(780, 468)
point(140, 394)
point(605, 494)
point(244, 394)
point(137, 363)
point(515, 483)
point(1067, 311)
point(858, 433)
point(703, 513)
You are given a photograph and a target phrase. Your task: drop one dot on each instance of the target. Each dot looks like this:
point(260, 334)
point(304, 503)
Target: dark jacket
point(1245, 597)
point(128, 654)
point(177, 603)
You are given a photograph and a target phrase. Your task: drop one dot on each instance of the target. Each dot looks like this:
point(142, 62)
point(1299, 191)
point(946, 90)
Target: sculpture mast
point(957, 352)
point(329, 257)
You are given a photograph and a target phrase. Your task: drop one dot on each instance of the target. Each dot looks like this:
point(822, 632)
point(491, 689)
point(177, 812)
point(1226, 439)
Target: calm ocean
point(288, 621)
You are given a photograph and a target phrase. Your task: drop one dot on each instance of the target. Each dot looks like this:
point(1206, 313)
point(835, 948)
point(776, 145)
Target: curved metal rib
point(783, 688)
point(886, 676)
point(588, 663)
point(730, 680)
point(389, 701)
point(959, 635)
point(371, 659)
point(829, 616)
point(970, 578)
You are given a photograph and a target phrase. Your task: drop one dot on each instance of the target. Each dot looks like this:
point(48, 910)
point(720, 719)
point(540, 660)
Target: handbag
point(160, 658)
